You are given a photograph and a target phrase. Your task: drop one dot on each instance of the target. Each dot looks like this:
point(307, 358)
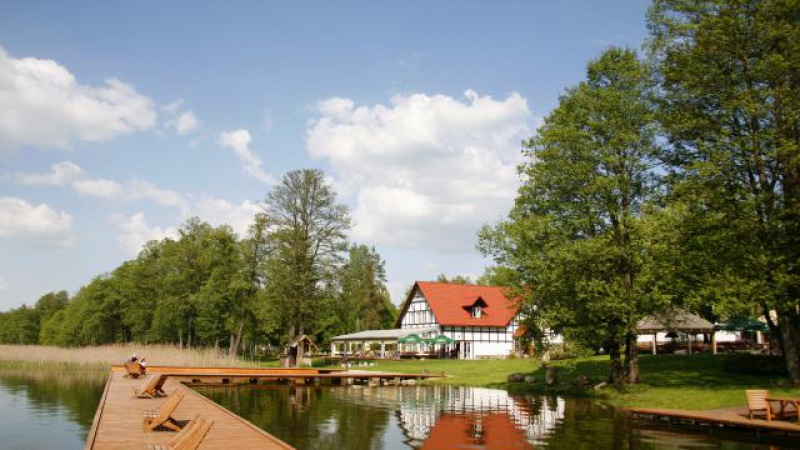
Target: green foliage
point(209, 287)
point(577, 233)
point(730, 80)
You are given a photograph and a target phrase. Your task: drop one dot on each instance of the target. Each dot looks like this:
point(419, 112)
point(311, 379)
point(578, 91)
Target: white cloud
point(239, 142)
point(424, 170)
point(183, 122)
point(60, 174)
point(218, 212)
point(37, 224)
point(140, 189)
point(135, 232)
point(98, 188)
point(44, 105)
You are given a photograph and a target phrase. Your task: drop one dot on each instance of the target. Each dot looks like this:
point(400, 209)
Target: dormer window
point(477, 308)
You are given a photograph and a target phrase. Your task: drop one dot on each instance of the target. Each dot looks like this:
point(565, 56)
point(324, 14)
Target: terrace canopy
point(679, 320)
point(383, 337)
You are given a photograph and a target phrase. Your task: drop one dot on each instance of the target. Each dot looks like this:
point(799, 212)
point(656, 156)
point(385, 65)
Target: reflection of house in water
point(465, 417)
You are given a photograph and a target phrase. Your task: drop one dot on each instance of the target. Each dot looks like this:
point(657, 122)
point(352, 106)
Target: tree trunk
point(617, 376)
point(790, 336)
point(632, 358)
point(238, 339)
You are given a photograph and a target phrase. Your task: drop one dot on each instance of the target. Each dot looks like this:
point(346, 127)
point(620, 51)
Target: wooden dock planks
point(118, 422)
point(716, 418)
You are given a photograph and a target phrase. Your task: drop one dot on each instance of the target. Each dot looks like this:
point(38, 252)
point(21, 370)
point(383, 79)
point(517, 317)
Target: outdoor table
point(783, 402)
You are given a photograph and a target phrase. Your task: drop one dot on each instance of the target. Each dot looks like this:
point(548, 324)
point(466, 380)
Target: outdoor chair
point(757, 403)
point(162, 417)
point(189, 438)
point(152, 387)
point(134, 369)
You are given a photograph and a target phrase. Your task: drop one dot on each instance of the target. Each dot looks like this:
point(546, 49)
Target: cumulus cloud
point(44, 105)
point(38, 224)
point(222, 212)
point(135, 232)
point(140, 189)
point(98, 188)
point(59, 174)
point(239, 142)
point(424, 170)
point(182, 121)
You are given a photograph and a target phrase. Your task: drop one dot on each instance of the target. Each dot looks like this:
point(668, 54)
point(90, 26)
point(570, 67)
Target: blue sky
point(119, 120)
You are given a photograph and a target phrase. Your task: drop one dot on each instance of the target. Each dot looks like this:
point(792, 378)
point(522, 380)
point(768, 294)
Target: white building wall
point(721, 336)
point(492, 349)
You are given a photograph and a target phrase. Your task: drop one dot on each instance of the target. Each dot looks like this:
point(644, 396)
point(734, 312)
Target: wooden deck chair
point(163, 415)
point(134, 369)
point(757, 403)
point(189, 438)
point(152, 387)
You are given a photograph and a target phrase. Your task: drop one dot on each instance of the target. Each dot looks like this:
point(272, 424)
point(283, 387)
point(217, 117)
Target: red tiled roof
point(450, 304)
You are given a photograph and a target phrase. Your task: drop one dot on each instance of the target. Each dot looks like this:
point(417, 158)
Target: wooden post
point(383, 349)
point(655, 343)
point(333, 349)
point(713, 342)
point(690, 342)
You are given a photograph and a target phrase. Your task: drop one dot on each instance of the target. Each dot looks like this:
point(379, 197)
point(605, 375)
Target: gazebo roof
point(675, 321)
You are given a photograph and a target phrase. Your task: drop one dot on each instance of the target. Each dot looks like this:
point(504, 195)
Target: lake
point(54, 410)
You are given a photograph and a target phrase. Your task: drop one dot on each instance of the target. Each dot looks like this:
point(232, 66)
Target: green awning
point(742, 324)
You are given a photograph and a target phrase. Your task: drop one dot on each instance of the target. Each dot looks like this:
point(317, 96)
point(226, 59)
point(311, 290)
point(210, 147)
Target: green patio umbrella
point(742, 324)
point(411, 339)
point(442, 339)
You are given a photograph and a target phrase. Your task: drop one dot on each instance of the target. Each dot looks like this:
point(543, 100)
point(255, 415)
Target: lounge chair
point(152, 387)
point(757, 403)
point(163, 416)
point(189, 438)
point(134, 369)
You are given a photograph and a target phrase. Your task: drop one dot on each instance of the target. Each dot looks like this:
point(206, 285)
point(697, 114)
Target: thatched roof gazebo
point(676, 321)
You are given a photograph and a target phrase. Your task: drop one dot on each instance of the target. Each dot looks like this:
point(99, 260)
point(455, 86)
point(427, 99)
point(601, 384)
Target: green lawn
point(668, 381)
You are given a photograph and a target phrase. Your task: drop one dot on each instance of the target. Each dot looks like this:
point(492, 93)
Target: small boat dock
point(118, 422)
point(723, 419)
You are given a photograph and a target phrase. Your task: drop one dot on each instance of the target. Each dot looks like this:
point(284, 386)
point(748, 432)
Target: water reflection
point(47, 409)
point(447, 417)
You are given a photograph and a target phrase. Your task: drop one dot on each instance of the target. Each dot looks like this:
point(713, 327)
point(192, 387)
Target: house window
point(476, 312)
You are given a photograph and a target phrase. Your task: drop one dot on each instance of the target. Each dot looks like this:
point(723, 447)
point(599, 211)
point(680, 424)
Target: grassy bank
point(101, 357)
point(668, 381)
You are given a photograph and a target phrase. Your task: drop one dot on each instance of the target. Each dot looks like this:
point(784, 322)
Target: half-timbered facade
point(482, 320)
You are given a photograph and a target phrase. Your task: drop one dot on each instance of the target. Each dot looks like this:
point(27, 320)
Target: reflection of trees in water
point(306, 417)
point(77, 391)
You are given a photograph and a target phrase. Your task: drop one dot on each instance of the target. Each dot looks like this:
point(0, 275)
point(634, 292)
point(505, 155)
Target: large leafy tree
point(364, 298)
point(306, 231)
point(731, 84)
point(577, 232)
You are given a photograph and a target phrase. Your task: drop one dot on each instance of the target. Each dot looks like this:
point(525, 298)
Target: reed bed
point(31, 356)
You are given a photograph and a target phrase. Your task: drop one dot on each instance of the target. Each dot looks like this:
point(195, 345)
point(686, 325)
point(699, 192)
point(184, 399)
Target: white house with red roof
point(480, 320)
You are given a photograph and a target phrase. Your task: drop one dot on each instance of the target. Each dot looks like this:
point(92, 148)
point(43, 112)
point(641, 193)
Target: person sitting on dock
point(143, 365)
point(133, 359)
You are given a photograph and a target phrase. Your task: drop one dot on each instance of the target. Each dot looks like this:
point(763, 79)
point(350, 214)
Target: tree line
point(293, 273)
point(667, 181)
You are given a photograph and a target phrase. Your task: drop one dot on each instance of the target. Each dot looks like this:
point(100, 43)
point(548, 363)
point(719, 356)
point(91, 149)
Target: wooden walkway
point(732, 419)
point(118, 422)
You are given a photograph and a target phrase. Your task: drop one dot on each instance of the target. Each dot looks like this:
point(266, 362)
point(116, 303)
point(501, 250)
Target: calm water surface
point(47, 410)
point(54, 410)
point(392, 418)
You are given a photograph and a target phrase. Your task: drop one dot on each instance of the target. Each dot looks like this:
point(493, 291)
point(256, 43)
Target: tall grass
point(30, 356)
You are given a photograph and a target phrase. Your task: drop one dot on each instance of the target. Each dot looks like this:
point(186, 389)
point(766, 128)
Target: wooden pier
point(728, 419)
point(118, 422)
